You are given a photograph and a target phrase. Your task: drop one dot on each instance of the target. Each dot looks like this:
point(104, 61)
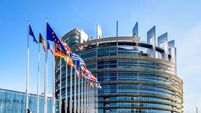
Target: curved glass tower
point(132, 81)
point(136, 77)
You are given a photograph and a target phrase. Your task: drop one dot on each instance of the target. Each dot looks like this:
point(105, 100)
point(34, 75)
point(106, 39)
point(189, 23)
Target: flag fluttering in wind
point(78, 60)
point(50, 48)
point(67, 48)
point(41, 40)
point(32, 34)
point(85, 73)
point(70, 62)
point(64, 51)
point(90, 77)
point(59, 53)
point(51, 35)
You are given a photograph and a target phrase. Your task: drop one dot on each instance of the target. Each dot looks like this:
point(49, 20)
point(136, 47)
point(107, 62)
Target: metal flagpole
point(96, 102)
point(60, 98)
point(75, 90)
point(93, 100)
point(89, 99)
point(87, 95)
point(66, 96)
point(196, 109)
point(83, 91)
point(70, 89)
point(79, 93)
point(53, 81)
point(38, 80)
point(45, 82)
point(82, 96)
point(85, 99)
point(93, 103)
point(117, 28)
point(27, 76)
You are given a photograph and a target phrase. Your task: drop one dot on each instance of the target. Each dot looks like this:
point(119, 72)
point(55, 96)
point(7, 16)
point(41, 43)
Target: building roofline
point(69, 33)
point(20, 92)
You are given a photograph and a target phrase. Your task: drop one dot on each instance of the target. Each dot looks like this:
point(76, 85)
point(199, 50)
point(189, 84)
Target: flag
point(82, 63)
point(89, 76)
point(97, 84)
point(51, 34)
point(92, 78)
point(67, 48)
point(41, 40)
point(83, 73)
point(32, 34)
point(50, 48)
point(60, 51)
point(70, 62)
point(86, 73)
point(60, 54)
point(53, 37)
point(76, 58)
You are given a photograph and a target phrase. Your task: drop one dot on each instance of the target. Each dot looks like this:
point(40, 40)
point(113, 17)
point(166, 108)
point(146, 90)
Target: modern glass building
point(136, 77)
point(15, 102)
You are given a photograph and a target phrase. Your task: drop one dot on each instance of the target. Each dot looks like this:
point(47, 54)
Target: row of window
point(133, 110)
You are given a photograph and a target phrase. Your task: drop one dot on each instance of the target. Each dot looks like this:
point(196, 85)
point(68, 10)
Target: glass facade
point(15, 102)
point(135, 77)
point(131, 80)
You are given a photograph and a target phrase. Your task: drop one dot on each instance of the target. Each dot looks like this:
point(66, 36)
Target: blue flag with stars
point(51, 35)
point(32, 34)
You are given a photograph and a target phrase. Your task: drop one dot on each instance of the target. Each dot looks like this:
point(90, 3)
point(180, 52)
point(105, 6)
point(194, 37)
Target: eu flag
point(53, 37)
point(32, 34)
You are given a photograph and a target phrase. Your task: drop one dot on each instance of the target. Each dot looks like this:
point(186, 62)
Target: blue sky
point(180, 18)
